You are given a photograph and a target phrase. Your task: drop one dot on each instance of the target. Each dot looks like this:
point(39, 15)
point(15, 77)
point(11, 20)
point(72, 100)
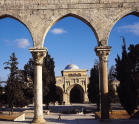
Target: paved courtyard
point(72, 119)
point(89, 118)
point(75, 120)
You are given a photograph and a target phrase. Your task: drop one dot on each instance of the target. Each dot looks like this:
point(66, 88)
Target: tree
point(93, 86)
point(14, 93)
point(127, 69)
point(29, 79)
point(49, 87)
point(29, 70)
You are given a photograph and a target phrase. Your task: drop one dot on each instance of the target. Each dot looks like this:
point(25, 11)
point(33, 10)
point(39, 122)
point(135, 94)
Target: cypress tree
point(126, 73)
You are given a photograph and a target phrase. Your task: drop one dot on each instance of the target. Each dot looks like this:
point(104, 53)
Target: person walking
point(59, 117)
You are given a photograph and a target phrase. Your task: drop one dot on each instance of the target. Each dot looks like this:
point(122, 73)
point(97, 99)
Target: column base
point(38, 121)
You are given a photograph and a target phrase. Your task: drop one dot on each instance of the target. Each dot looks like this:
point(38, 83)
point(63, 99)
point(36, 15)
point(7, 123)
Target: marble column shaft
point(38, 56)
point(103, 52)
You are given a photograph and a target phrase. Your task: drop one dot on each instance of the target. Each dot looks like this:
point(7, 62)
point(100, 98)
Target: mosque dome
point(71, 66)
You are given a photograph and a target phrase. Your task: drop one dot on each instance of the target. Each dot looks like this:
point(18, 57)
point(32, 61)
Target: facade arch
point(72, 86)
point(77, 94)
point(78, 16)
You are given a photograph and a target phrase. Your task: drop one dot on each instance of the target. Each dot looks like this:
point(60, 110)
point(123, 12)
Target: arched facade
point(73, 76)
point(40, 15)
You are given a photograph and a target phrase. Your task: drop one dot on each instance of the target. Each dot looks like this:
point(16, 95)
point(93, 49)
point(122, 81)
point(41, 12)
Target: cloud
point(133, 28)
point(22, 43)
point(58, 31)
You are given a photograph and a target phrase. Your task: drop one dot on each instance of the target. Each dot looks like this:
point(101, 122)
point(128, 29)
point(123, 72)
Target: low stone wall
point(20, 117)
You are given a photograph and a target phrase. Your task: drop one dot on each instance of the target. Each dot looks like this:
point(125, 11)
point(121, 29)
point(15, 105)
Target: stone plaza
point(89, 118)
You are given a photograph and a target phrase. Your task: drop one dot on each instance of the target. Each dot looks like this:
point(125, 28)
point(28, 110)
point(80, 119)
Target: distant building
point(72, 85)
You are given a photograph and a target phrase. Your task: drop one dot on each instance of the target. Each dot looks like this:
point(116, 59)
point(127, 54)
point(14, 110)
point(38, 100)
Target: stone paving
point(73, 119)
point(52, 118)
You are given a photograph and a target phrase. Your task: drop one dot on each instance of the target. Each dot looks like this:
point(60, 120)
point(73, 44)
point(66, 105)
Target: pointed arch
point(120, 16)
point(2, 16)
point(71, 86)
point(77, 94)
point(70, 15)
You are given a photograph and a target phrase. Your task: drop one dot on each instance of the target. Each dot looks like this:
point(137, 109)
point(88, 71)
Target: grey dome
point(71, 66)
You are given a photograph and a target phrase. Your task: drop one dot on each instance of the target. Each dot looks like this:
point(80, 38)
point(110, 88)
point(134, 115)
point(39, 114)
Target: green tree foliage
point(127, 72)
point(93, 86)
point(29, 80)
point(29, 70)
point(14, 92)
point(49, 87)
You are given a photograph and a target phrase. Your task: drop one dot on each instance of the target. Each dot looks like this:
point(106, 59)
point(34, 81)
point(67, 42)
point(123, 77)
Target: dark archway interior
point(59, 93)
point(76, 94)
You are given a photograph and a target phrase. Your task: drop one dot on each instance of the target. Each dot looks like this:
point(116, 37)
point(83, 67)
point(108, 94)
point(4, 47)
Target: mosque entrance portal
point(77, 94)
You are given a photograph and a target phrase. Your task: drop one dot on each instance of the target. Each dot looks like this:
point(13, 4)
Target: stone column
point(86, 100)
point(38, 56)
point(103, 52)
point(65, 97)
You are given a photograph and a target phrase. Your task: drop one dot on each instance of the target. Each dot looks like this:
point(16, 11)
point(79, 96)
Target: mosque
point(72, 86)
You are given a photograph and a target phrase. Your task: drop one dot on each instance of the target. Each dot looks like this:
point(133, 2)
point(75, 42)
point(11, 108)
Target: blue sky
point(68, 41)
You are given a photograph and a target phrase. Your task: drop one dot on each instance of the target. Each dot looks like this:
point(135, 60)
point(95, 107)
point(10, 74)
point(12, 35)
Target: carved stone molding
point(103, 52)
point(38, 55)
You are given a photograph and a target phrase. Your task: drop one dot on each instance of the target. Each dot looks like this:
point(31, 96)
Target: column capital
point(38, 55)
point(103, 52)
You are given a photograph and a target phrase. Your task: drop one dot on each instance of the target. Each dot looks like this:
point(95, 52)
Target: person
point(59, 117)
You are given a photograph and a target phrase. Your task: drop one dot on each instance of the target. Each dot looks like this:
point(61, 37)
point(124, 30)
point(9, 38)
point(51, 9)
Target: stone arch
point(71, 86)
point(18, 19)
point(77, 94)
point(59, 92)
point(69, 15)
point(120, 16)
